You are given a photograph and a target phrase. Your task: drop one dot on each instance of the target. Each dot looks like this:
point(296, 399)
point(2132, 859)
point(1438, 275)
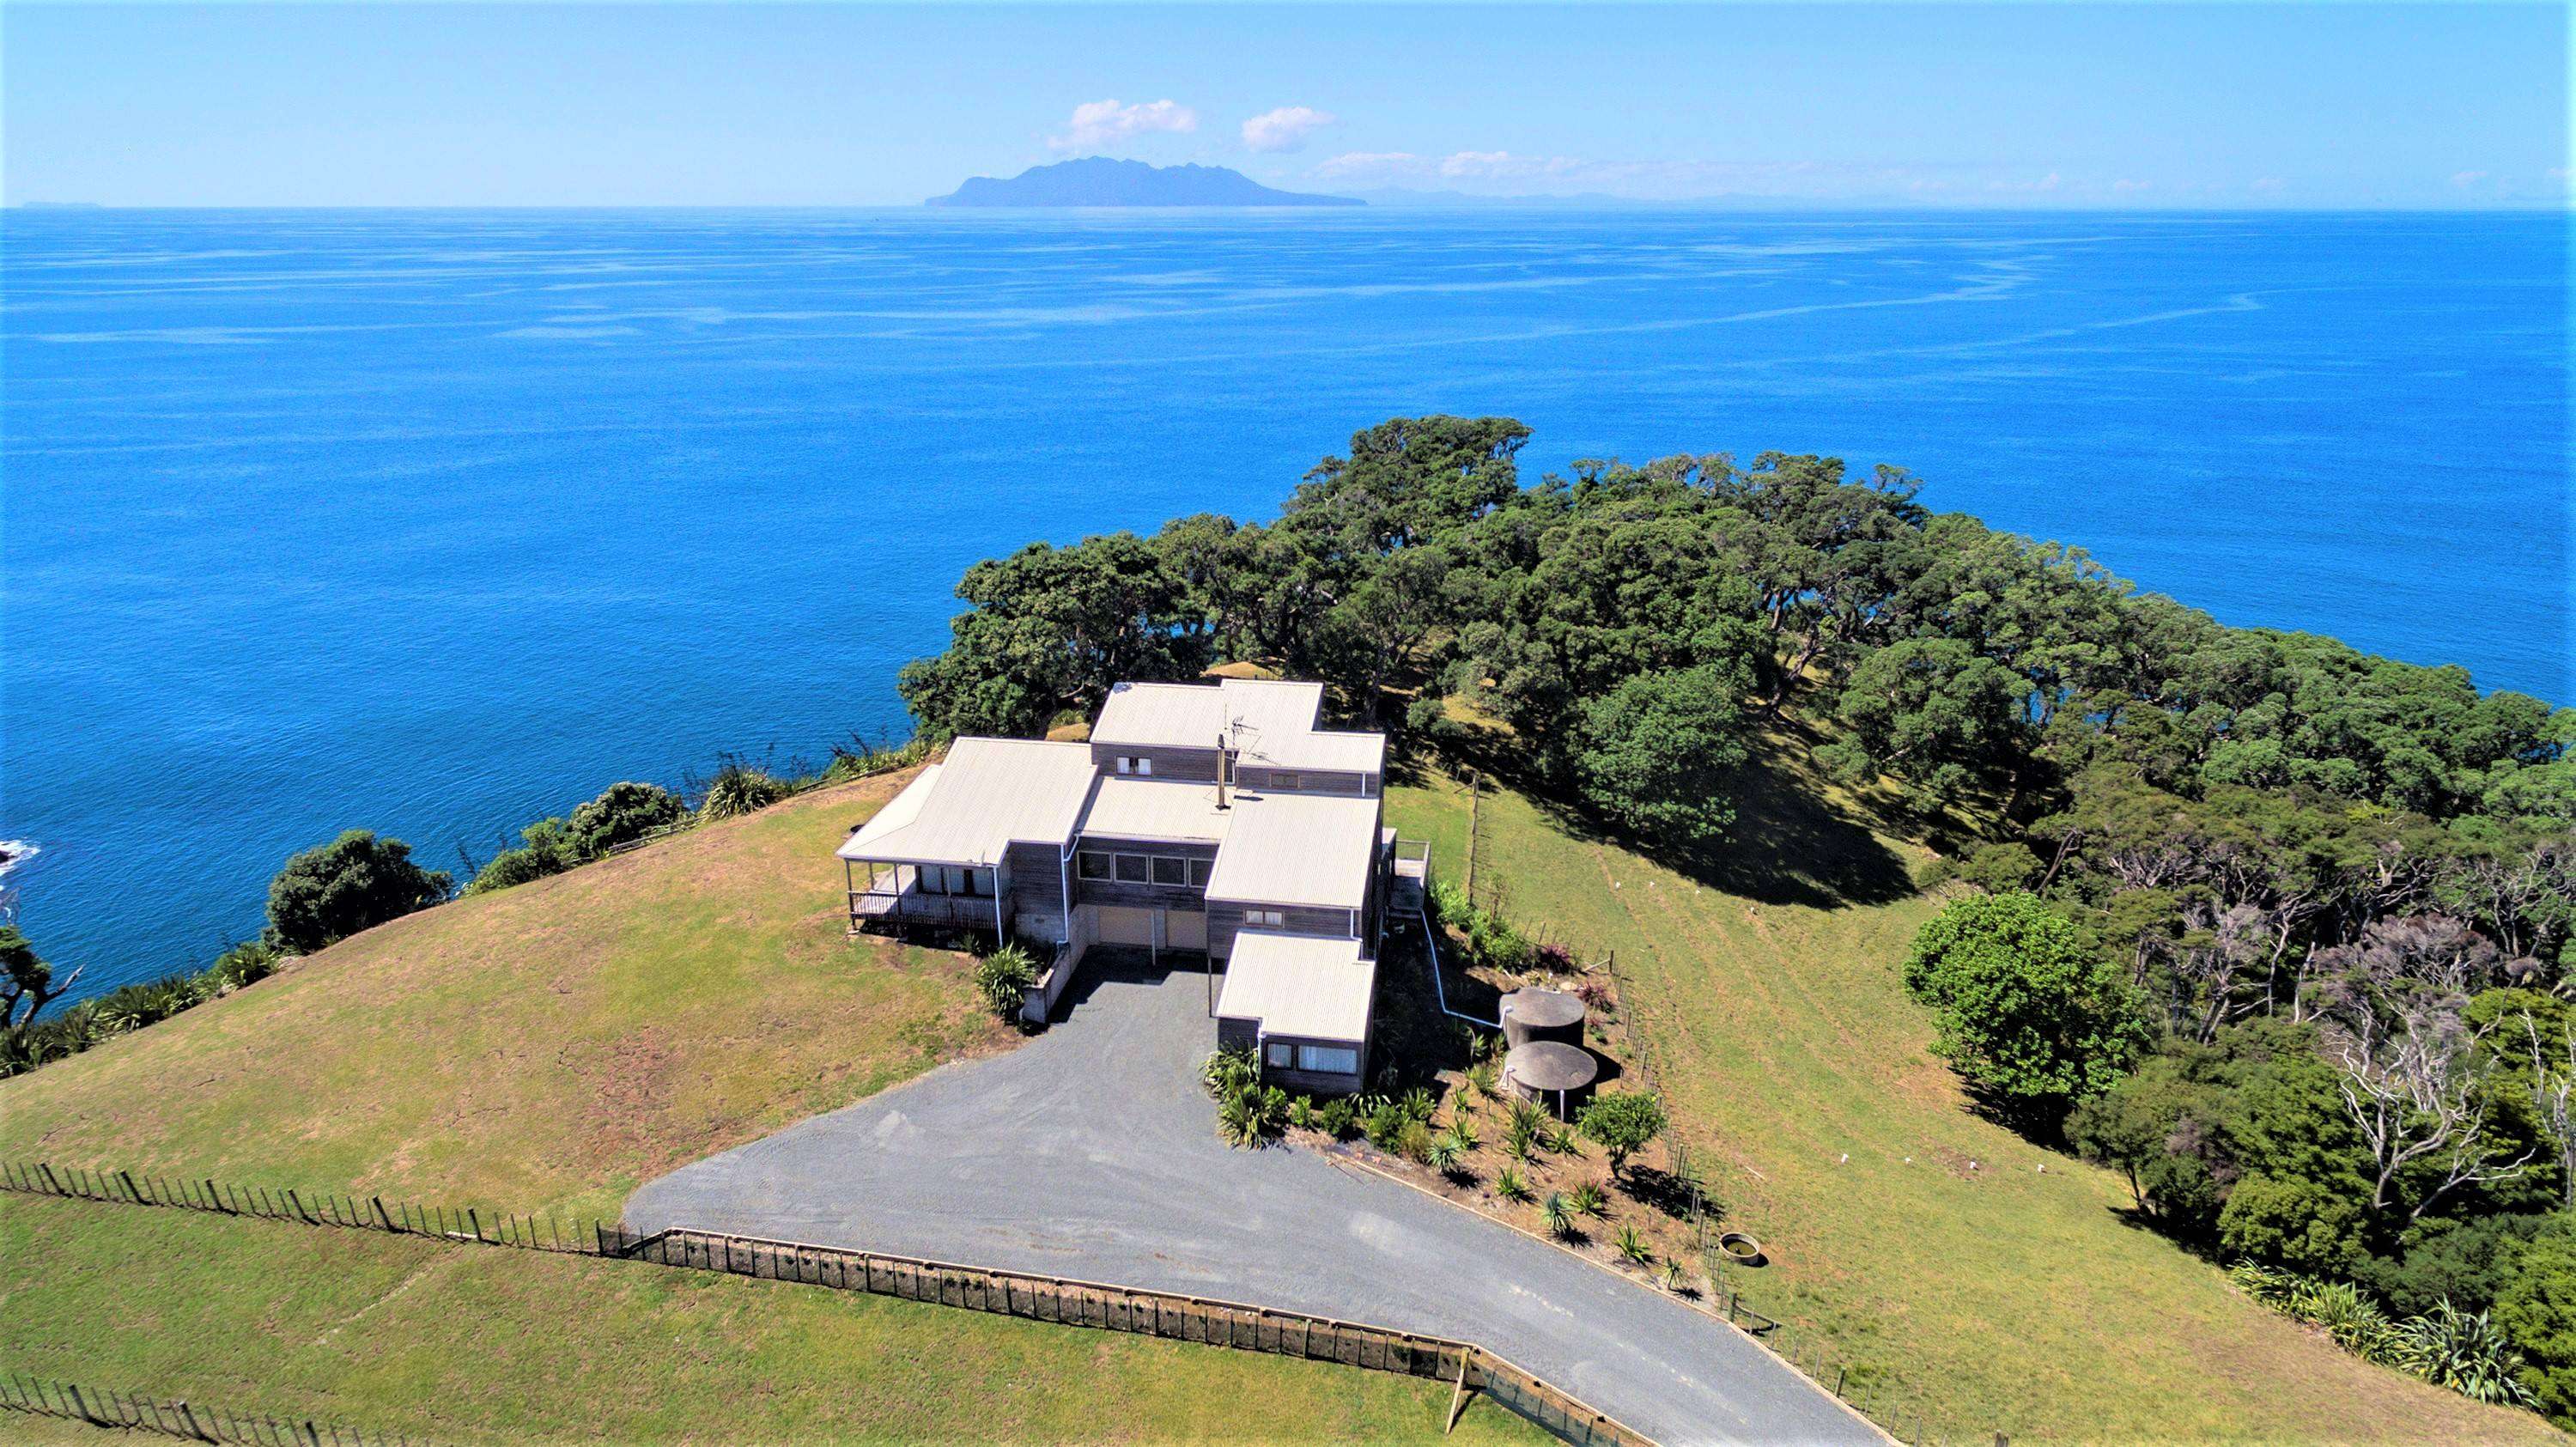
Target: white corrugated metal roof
point(1132, 808)
point(986, 795)
point(1299, 985)
point(1300, 849)
point(1169, 715)
point(1269, 723)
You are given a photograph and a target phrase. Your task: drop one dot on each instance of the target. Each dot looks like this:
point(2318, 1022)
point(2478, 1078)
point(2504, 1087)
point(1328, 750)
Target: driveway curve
point(1090, 1152)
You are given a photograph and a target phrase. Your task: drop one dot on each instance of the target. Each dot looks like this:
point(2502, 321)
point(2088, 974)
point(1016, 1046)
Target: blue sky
point(2020, 105)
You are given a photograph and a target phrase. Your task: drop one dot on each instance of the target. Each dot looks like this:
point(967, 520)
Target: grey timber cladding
point(1306, 781)
point(1225, 921)
point(1122, 892)
point(1194, 765)
point(1034, 881)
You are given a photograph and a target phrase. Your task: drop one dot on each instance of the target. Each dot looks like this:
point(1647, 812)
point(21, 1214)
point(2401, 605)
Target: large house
point(1214, 821)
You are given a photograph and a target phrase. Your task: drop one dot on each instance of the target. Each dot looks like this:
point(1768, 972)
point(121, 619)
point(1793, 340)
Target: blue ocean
point(436, 522)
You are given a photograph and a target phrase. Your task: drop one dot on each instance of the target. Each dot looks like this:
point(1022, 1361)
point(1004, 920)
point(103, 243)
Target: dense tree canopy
point(2029, 1013)
point(355, 882)
point(2332, 886)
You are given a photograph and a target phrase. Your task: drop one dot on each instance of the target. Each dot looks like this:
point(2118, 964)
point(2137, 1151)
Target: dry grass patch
point(546, 1047)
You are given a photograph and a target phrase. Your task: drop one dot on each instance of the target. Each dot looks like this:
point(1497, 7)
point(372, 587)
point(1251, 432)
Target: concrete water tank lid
point(1545, 1009)
point(1551, 1065)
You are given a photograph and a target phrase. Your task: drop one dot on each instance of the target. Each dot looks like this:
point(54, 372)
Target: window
point(951, 879)
point(1286, 782)
point(1136, 764)
point(1199, 872)
point(1328, 1059)
point(1282, 1055)
point(1171, 871)
point(1091, 864)
point(1264, 919)
point(1132, 869)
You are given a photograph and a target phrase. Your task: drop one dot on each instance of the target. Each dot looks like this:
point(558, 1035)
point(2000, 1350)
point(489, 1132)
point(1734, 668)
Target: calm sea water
point(437, 522)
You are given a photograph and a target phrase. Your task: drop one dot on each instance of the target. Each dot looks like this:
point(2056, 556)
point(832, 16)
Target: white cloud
point(2126, 187)
point(2465, 179)
point(1285, 129)
point(2267, 185)
point(1100, 123)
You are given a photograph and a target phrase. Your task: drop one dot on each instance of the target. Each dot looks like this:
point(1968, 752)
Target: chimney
point(1224, 769)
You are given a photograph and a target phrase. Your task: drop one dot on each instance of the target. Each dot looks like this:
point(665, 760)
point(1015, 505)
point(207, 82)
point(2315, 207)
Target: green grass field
point(547, 1048)
point(1921, 1242)
point(467, 1344)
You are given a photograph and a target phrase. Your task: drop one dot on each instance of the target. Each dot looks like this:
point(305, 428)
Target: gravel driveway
point(1090, 1152)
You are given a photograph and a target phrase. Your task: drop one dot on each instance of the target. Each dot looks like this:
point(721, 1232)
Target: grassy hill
point(1918, 1239)
point(546, 1048)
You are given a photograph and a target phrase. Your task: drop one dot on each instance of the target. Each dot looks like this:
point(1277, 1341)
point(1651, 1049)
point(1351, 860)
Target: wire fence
point(1030, 1296)
point(100, 1407)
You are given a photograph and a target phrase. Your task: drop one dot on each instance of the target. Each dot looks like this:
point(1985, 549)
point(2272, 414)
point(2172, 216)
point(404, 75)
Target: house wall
point(1149, 896)
point(1169, 763)
point(1225, 921)
point(1254, 779)
point(1034, 890)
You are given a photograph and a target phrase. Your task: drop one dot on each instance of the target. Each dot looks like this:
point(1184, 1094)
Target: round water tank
point(1531, 1014)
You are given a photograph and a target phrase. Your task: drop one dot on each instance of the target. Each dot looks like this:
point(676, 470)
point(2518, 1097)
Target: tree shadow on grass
point(1670, 1194)
point(1796, 840)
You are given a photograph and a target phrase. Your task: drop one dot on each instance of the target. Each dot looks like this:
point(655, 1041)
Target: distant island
point(1100, 181)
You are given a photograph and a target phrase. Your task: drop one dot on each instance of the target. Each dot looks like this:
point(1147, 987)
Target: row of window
point(1321, 1059)
point(1144, 869)
point(1286, 781)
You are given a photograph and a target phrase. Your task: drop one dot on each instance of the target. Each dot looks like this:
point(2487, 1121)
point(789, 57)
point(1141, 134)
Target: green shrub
point(1004, 978)
point(1622, 1125)
point(2461, 1350)
point(1589, 1199)
point(246, 963)
point(1384, 1125)
point(1301, 1112)
point(1486, 1079)
point(1335, 1117)
point(1443, 1155)
point(1250, 1115)
point(353, 883)
point(1414, 1142)
point(1557, 1214)
point(1633, 1246)
point(1230, 1069)
point(1464, 1129)
point(739, 789)
point(1419, 1104)
point(1509, 1185)
point(622, 814)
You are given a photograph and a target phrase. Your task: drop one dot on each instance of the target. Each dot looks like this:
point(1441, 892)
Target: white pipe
point(1429, 942)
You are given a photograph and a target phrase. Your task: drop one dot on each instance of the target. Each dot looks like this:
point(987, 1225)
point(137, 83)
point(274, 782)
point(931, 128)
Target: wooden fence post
point(1458, 1394)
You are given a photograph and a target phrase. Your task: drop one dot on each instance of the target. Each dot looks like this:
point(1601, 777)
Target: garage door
point(1185, 930)
point(1124, 925)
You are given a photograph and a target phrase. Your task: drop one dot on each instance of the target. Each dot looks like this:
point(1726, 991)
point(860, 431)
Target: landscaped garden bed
point(1443, 1118)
